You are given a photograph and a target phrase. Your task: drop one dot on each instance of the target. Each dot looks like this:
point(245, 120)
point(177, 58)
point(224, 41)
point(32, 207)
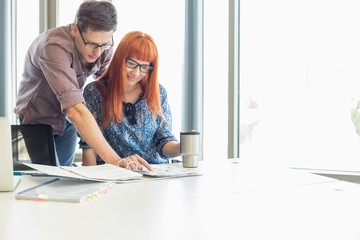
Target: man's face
point(91, 44)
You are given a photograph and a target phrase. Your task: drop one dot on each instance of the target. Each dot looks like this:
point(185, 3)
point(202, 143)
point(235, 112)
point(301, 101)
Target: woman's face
point(136, 70)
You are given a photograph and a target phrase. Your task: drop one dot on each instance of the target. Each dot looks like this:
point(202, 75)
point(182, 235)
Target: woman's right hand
point(134, 162)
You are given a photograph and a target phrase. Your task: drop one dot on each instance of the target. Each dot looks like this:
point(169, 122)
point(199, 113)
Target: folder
point(65, 190)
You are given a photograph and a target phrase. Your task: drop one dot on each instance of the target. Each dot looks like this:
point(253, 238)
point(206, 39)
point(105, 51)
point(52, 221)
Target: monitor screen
point(32, 144)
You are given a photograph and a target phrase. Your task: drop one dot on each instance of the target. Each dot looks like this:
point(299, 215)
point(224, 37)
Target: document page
point(170, 170)
point(105, 172)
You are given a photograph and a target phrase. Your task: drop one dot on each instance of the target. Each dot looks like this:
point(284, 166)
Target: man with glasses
point(56, 67)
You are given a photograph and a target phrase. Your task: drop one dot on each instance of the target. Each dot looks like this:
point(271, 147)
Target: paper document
point(105, 172)
point(170, 170)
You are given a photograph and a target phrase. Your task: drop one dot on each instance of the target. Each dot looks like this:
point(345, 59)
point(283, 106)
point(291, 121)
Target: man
point(56, 67)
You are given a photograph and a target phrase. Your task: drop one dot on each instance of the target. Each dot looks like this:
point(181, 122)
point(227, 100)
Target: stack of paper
point(105, 172)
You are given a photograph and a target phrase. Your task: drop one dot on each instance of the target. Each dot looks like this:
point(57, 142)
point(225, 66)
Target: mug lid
point(192, 132)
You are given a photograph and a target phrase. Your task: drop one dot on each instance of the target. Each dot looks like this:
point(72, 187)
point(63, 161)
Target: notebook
point(8, 181)
point(65, 190)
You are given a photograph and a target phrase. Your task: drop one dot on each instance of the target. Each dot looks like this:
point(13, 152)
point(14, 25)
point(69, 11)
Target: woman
point(130, 105)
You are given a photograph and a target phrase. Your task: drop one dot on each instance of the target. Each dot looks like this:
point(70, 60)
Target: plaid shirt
point(53, 78)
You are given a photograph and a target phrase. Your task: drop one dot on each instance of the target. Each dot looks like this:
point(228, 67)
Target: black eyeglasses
point(94, 46)
point(143, 67)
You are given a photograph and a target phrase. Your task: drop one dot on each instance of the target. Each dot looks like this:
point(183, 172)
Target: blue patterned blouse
point(145, 138)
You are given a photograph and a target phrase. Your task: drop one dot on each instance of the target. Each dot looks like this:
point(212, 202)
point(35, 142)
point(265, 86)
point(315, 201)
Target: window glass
point(67, 11)
point(27, 28)
point(299, 80)
point(215, 79)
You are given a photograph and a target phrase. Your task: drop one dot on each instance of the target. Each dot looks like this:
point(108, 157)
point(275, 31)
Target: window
point(299, 79)
point(26, 27)
point(215, 79)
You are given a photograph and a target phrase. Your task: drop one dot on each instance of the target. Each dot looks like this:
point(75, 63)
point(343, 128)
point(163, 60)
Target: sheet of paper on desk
point(105, 172)
point(170, 170)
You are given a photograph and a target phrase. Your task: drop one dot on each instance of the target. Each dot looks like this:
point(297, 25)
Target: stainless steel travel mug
point(189, 148)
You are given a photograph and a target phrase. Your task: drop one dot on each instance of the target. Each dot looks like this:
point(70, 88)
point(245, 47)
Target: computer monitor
point(32, 143)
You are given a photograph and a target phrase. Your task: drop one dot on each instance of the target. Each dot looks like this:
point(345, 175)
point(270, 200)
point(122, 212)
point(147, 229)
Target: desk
point(231, 200)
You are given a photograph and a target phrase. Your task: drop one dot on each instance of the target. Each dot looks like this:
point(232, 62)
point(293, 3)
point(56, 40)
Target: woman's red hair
point(136, 45)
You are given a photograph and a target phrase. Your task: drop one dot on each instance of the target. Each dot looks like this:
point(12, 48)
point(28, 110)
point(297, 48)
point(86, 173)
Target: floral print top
point(146, 137)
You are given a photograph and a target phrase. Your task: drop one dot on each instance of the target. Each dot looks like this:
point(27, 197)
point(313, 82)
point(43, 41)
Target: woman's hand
point(134, 162)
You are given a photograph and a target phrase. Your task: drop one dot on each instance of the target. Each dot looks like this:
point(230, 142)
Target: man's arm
point(87, 127)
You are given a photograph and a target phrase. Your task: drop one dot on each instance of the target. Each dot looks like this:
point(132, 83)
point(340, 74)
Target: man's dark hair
point(96, 16)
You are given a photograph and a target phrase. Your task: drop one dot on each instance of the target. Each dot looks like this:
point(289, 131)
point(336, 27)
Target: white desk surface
point(233, 200)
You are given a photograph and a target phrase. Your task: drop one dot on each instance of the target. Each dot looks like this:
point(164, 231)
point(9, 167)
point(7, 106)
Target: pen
point(19, 173)
point(34, 174)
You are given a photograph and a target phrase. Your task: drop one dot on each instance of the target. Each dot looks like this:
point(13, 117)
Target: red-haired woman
point(130, 105)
